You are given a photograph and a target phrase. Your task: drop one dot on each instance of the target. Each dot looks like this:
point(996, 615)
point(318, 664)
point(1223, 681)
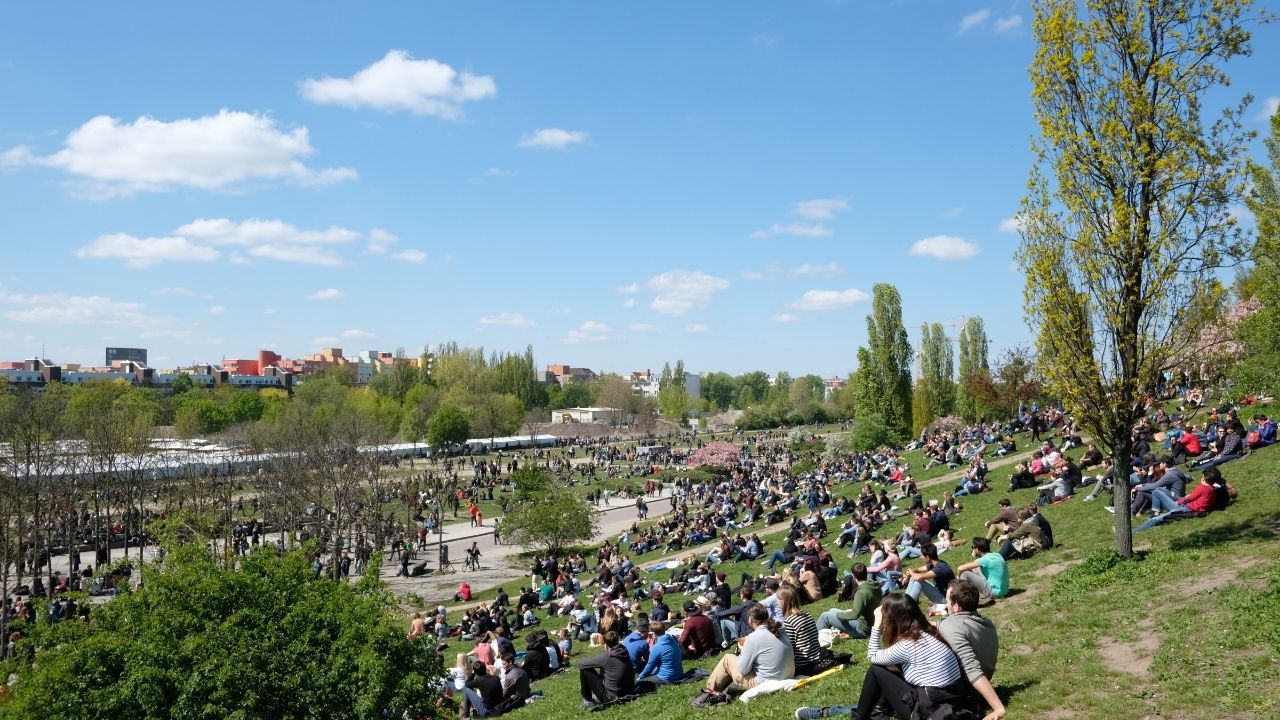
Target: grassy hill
point(1189, 629)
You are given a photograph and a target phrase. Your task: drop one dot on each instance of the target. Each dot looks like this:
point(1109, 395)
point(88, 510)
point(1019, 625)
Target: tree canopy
point(1127, 216)
point(202, 641)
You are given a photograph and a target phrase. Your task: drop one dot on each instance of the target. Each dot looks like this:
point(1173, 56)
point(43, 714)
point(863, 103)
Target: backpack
point(1046, 532)
point(1221, 496)
point(705, 699)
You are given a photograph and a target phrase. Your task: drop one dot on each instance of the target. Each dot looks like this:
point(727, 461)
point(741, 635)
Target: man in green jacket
point(857, 620)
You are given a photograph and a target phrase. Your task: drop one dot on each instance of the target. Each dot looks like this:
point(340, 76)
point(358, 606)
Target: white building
point(647, 383)
point(582, 415)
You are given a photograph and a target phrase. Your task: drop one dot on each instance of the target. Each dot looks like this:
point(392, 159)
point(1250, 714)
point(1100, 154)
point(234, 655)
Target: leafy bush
point(202, 641)
point(871, 432)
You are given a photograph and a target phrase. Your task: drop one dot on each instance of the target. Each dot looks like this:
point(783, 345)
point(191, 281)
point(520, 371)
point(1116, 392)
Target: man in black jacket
point(608, 676)
point(482, 694)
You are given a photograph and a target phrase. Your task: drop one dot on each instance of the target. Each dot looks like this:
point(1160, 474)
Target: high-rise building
point(138, 355)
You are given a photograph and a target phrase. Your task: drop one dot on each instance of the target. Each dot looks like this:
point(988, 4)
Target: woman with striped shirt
point(801, 630)
point(931, 674)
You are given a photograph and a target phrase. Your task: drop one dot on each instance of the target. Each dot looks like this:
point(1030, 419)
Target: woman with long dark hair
point(930, 673)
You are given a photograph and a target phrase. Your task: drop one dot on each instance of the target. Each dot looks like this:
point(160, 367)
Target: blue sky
point(617, 184)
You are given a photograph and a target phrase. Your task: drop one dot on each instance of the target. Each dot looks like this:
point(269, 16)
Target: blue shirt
point(664, 660)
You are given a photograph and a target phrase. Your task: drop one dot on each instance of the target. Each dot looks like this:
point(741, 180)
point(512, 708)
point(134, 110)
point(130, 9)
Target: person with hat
point(637, 642)
point(698, 638)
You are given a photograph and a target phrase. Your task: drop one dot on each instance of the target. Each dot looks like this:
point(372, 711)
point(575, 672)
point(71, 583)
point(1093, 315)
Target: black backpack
point(1046, 532)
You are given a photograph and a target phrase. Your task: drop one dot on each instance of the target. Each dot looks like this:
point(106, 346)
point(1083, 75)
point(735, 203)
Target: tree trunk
point(1122, 451)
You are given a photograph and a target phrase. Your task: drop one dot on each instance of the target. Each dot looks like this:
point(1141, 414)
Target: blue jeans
point(828, 619)
point(777, 557)
point(931, 591)
point(909, 552)
point(1163, 501)
point(1214, 462)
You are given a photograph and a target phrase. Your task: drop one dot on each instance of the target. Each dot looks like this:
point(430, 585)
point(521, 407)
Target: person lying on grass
point(1209, 495)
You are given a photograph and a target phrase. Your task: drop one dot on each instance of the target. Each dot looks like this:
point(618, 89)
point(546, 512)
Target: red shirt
point(1191, 442)
point(1200, 499)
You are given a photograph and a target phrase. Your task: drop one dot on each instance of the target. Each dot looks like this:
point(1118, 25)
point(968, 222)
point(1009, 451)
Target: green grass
point(1201, 604)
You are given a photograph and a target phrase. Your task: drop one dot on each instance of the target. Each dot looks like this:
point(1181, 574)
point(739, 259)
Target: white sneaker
point(1109, 509)
point(1090, 498)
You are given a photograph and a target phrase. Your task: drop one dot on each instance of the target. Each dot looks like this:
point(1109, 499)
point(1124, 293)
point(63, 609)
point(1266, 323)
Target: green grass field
point(1189, 629)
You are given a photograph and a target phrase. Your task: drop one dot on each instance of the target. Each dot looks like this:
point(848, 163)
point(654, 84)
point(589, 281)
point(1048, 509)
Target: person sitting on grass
point(665, 664)
point(482, 693)
point(1232, 447)
point(697, 639)
point(801, 632)
point(855, 621)
point(1209, 495)
point(762, 655)
point(975, 642)
point(902, 636)
point(932, 579)
point(988, 572)
point(1006, 521)
point(608, 676)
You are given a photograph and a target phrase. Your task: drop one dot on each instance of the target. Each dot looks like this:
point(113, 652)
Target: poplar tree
point(974, 365)
point(1126, 218)
point(884, 365)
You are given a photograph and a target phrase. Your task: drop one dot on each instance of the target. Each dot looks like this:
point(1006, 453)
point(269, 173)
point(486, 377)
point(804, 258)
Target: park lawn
point(1190, 629)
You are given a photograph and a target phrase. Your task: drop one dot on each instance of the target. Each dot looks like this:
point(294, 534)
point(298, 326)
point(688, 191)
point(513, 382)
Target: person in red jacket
point(1202, 499)
point(698, 638)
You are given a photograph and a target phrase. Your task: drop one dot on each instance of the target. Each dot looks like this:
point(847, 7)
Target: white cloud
point(752, 275)
point(357, 334)
point(829, 299)
point(676, 292)
point(380, 241)
point(145, 252)
point(631, 289)
point(1011, 225)
point(695, 328)
point(325, 341)
point(217, 310)
point(819, 209)
point(629, 303)
point(222, 231)
point(588, 332)
point(798, 229)
point(398, 82)
point(410, 255)
point(642, 327)
point(945, 247)
point(786, 318)
point(1270, 106)
point(517, 320)
point(269, 311)
point(62, 309)
point(552, 138)
point(213, 152)
point(1008, 24)
point(809, 269)
point(304, 254)
point(327, 294)
point(974, 19)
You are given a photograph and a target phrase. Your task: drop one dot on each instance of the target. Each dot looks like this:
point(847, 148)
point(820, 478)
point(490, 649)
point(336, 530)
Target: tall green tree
point(1126, 218)
point(673, 399)
point(884, 365)
point(975, 367)
point(1259, 332)
point(448, 426)
point(937, 386)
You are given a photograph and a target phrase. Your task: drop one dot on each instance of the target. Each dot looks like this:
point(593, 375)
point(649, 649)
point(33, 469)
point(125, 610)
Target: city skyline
point(619, 189)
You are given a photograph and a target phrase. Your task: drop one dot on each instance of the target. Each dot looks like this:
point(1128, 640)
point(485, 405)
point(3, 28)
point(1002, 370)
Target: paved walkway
point(499, 566)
